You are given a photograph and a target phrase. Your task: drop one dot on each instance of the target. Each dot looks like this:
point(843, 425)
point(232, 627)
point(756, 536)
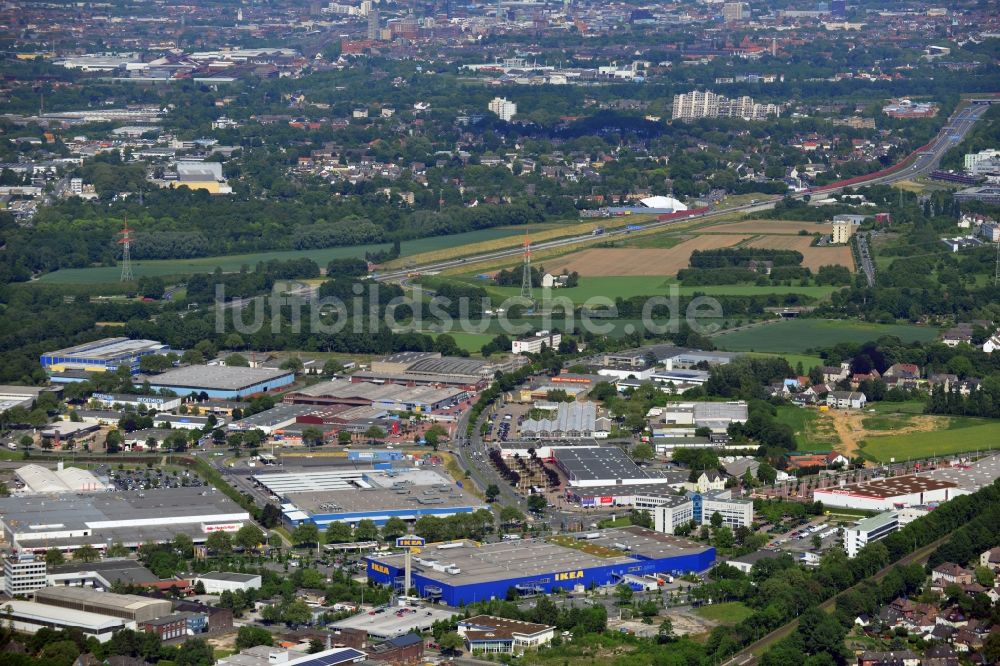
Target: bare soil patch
point(813, 257)
point(643, 261)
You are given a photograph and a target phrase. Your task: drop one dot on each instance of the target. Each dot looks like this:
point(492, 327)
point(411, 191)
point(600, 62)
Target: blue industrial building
point(459, 574)
point(381, 455)
point(349, 495)
point(104, 355)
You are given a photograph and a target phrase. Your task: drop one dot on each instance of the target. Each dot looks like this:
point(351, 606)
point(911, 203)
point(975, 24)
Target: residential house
point(992, 344)
point(495, 635)
point(991, 559)
point(893, 658)
point(708, 480)
point(902, 371)
point(948, 573)
point(940, 655)
point(846, 400)
point(833, 374)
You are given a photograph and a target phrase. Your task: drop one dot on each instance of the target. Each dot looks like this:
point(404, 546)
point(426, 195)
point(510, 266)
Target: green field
point(231, 263)
point(807, 360)
point(811, 432)
point(472, 342)
point(908, 407)
point(802, 335)
point(627, 286)
point(730, 612)
point(936, 443)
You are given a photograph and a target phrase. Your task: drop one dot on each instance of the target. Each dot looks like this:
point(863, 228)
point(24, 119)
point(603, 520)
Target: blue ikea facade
point(457, 593)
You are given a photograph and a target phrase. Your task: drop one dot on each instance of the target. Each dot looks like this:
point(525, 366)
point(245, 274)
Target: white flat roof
point(69, 617)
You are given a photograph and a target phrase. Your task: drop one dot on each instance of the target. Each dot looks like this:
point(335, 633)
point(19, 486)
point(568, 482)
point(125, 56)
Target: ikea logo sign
point(569, 575)
point(381, 568)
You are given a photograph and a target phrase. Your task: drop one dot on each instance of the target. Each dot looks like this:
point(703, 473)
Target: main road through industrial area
point(950, 135)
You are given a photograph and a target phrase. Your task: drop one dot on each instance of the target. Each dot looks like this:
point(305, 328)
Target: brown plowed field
point(813, 257)
point(637, 261)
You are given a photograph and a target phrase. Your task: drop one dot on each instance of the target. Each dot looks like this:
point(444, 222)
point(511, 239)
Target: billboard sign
point(221, 527)
point(410, 541)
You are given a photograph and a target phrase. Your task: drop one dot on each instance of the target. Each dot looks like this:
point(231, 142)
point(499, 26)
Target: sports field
point(801, 335)
point(230, 263)
point(981, 437)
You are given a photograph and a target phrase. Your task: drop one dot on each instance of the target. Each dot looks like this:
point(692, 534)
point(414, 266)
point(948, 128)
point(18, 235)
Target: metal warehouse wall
point(456, 595)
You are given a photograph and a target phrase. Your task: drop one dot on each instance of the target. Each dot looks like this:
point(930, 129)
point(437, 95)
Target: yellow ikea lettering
point(381, 568)
point(569, 575)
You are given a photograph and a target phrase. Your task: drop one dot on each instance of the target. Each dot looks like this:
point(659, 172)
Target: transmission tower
point(526, 274)
point(996, 269)
point(126, 243)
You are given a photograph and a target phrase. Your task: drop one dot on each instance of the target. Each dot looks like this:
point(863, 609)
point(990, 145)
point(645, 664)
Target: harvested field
point(642, 261)
point(813, 257)
point(767, 227)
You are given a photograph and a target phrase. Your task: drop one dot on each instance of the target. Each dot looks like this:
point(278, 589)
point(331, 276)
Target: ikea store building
point(464, 572)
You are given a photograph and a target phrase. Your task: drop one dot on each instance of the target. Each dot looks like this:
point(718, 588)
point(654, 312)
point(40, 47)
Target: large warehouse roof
point(109, 348)
point(131, 603)
point(380, 392)
point(570, 417)
point(126, 517)
point(892, 487)
point(41, 480)
point(306, 482)
point(217, 377)
point(36, 613)
point(530, 557)
point(599, 464)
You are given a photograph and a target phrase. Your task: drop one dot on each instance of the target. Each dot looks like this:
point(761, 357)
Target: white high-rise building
point(503, 107)
point(733, 12)
point(23, 574)
point(981, 161)
point(706, 104)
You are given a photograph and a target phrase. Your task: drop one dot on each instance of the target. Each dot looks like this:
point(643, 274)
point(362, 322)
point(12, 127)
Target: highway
point(950, 135)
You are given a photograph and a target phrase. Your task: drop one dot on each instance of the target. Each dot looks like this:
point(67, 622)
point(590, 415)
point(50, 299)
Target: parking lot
point(147, 479)
point(390, 621)
point(504, 425)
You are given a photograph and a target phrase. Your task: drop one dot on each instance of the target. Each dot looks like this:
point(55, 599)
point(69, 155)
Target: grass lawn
point(940, 442)
point(730, 612)
point(885, 421)
point(231, 263)
point(627, 286)
point(807, 360)
point(802, 335)
point(908, 407)
point(472, 342)
point(811, 432)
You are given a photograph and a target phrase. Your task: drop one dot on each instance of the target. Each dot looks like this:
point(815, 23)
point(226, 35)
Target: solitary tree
point(54, 557)
point(306, 533)
point(450, 643)
point(492, 492)
point(86, 553)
